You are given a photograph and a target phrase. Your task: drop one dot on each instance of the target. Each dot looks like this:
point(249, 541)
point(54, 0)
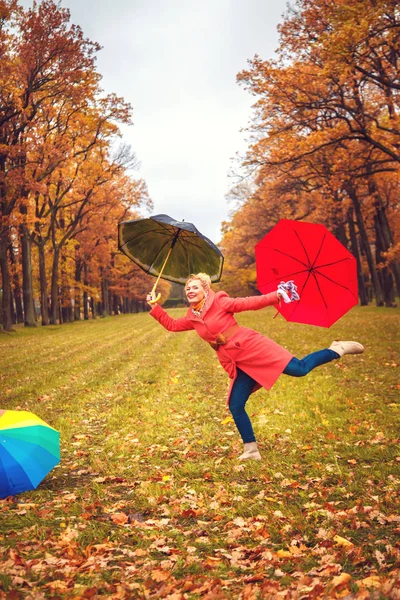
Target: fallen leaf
point(227, 420)
point(371, 581)
point(119, 518)
point(158, 575)
point(340, 541)
point(342, 579)
point(284, 554)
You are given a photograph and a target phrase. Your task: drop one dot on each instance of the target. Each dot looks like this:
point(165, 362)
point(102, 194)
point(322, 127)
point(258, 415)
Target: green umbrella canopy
point(148, 241)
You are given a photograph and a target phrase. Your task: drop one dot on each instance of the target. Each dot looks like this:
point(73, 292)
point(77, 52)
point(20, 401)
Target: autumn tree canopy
point(325, 139)
point(65, 176)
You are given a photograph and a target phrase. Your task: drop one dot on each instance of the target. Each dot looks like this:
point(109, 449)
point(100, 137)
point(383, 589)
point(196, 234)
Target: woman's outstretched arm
point(235, 305)
point(182, 324)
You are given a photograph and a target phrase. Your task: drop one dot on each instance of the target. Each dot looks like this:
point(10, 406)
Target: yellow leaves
point(292, 551)
point(373, 581)
point(227, 420)
point(340, 541)
point(284, 554)
point(58, 585)
point(341, 580)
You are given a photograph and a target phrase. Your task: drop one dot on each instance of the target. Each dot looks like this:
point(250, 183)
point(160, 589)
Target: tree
point(43, 60)
point(325, 121)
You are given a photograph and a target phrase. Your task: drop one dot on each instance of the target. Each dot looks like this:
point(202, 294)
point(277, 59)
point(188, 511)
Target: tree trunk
point(93, 308)
point(6, 289)
point(85, 306)
point(44, 301)
point(340, 234)
point(19, 311)
point(54, 314)
point(85, 294)
point(387, 238)
point(78, 294)
point(60, 312)
point(12, 308)
point(367, 248)
point(65, 314)
point(65, 294)
point(356, 253)
point(385, 275)
point(105, 296)
point(115, 304)
point(27, 286)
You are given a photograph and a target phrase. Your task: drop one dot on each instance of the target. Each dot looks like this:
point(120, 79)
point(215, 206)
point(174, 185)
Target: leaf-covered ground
point(150, 501)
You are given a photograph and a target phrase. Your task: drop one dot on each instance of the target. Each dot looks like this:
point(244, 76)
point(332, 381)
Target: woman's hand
point(285, 288)
point(150, 299)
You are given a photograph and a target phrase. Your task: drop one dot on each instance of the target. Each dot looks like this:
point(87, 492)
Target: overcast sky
point(176, 62)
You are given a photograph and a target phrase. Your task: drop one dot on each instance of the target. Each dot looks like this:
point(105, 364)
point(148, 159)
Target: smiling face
point(194, 291)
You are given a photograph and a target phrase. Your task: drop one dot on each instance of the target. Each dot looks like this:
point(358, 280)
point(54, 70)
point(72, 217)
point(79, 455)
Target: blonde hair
point(204, 279)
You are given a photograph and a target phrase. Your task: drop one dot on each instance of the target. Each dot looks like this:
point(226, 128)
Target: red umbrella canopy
point(324, 271)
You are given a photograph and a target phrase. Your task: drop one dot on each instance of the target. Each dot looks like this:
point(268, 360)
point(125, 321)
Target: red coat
point(257, 355)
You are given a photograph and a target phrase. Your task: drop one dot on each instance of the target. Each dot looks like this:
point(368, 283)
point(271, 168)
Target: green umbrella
point(170, 249)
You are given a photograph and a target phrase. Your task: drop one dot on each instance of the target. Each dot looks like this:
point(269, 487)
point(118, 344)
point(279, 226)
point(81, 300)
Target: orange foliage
point(324, 142)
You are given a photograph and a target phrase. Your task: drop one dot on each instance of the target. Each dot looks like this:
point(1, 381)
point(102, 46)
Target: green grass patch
point(150, 500)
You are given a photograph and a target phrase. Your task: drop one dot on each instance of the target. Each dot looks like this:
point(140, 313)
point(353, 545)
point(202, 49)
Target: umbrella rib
point(187, 242)
point(304, 248)
point(319, 289)
point(164, 226)
point(157, 255)
point(284, 276)
point(135, 237)
point(320, 248)
point(301, 295)
point(336, 282)
point(289, 256)
point(333, 263)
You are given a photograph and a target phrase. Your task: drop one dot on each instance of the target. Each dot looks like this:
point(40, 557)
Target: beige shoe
point(346, 347)
point(250, 452)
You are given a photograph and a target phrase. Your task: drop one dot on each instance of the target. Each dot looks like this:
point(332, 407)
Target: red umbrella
point(322, 268)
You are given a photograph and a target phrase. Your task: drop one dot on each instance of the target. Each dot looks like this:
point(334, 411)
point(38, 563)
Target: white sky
point(176, 62)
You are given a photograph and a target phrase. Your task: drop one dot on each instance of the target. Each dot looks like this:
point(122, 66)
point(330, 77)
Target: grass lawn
point(150, 501)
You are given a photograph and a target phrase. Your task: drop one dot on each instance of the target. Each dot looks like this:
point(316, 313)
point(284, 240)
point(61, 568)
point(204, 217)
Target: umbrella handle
point(153, 291)
point(155, 299)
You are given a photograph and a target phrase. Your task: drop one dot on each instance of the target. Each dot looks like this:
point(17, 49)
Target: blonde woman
point(250, 359)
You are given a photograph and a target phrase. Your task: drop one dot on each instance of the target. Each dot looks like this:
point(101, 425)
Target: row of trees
point(64, 175)
point(325, 140)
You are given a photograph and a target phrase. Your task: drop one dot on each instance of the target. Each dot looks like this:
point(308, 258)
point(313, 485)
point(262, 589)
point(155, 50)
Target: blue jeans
point(244, 385)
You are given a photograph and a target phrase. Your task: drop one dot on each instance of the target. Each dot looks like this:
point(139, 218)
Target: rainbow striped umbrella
point(29, 449)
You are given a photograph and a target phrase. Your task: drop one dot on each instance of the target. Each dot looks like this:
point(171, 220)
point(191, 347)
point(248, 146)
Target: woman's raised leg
point(300, 367)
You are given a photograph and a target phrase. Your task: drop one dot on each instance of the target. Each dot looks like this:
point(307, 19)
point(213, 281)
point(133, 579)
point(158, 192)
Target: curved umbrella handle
point(153, 291)
point(155, 299)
